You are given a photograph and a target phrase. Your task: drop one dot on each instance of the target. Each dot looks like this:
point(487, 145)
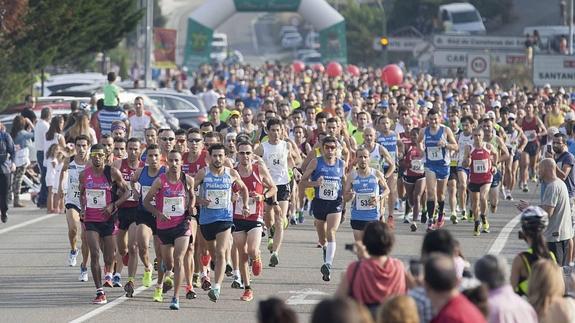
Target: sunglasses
point(168, 138)
point(330, 147)
point(181, 141)
point(247, 153)
point(97, 154)
point(195, 139)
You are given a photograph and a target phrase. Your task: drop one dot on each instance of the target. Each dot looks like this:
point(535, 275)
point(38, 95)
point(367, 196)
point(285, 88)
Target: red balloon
point(298, 66)
point(334, 69)
point(318, 67)
point(392, 75)
point(353, 70)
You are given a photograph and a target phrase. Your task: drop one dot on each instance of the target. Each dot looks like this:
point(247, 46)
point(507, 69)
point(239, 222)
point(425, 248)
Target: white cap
point(491, 114)
point(428, 105)
point(512, 116)
point(569, 116)
point(496, 104)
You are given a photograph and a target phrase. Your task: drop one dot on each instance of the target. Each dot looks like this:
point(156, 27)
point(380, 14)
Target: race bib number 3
point(328, 190)
point(173, 206)
point(219, 199)
point(95, 199)
point(365, 202)
point(480, 166)
point(434, 153)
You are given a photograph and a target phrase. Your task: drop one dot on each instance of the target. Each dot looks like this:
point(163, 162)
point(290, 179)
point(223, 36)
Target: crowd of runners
point(281, 148)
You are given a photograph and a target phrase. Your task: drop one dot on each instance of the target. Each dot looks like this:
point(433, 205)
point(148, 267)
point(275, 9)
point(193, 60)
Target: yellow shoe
point(147, 279)
point(158, 296)
point(485, 227)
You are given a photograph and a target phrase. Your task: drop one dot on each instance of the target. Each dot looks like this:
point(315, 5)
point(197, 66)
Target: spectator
point(398, 309)
point(210, 97)
point(546, 290)
point(28, 111)
point(555, 201)
point(40, 130)
point(6, 168)
point(22, 145)
point(111, 110)
point(274, 310)
point(504, 305)
point(478, 295)
point(81, 127)
point(441, 285)
point(95, 118)
point(340, 310)
point(218, 124)
point(111, 92)
point(376, 276)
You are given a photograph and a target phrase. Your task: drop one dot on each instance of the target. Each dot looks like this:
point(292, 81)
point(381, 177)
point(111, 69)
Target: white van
point(461, 18)
point(219, 47)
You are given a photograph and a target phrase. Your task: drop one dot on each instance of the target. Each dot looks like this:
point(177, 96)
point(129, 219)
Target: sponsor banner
point(165, 48)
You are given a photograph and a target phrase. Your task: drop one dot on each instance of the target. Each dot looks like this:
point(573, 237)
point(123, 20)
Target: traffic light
point(384, 41)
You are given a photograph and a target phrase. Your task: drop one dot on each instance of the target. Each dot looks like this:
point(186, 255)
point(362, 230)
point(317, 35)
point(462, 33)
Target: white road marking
point(23, 224)
point(503, 236)
point(110, 305)
point(300, 297)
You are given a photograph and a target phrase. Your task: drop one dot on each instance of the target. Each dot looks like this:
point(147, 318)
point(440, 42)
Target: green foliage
point(59, 32)
point(363, 24)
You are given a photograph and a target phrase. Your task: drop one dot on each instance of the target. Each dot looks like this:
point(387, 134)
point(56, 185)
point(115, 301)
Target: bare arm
point(150, 196)
point(388, 159)
point(305, 179)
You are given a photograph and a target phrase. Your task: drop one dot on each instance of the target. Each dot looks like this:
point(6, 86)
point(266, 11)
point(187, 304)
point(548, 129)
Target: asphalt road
point(37, 285)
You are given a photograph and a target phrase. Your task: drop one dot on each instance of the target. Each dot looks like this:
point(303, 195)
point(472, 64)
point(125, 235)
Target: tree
point(363, 25)
point(57, 32)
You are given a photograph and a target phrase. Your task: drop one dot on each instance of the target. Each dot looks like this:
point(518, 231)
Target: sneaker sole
point(325, 273)
point(274, 261)
point(174, 307)
point(129, 291)
point(236, 285)
point(413, 228)
point(191, 295)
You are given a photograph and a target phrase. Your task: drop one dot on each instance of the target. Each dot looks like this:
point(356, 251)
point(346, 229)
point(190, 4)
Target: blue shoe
point(214, 294)
point(175, 305)
point(117, 280)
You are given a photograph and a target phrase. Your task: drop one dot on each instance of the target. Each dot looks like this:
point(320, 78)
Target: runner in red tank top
point(480, 158)
point(414, 177)
point(533, 128)
point(405, 138)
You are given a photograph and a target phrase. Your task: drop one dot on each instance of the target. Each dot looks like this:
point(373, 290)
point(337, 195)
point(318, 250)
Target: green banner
point(333, 43)
point(266, 5)
point(198, 44)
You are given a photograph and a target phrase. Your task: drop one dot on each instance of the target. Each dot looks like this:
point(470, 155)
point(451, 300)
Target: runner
point(325, 174)
point(480, 158)
point(71, 170)
point(516, 142)
point(414, 178)
point(368, 189)
point(247, 234)
point(98, 208)
point(498, 145)
point(533, 128)
point(437, 140)
point(127, 213)
point(391, 141)
point(216, 220)
point(277, 155)
point(174, 206)
point(464, 139)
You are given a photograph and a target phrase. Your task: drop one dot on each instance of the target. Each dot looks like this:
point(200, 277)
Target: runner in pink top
point(174, 206)
point(98, 205)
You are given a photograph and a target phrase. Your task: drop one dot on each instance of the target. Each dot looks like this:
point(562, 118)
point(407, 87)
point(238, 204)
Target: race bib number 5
point(95, 199)
point(328, 190)
point(173, 206)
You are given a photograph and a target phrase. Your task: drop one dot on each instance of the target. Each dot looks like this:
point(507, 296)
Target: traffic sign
point(478, 42)
point(478, 65)
point(555, 70)
point(442, 58)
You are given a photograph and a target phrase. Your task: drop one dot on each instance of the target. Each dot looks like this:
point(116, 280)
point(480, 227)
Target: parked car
point(187, 108)
point(461, 18)
point(60, 82)
point(292, 40)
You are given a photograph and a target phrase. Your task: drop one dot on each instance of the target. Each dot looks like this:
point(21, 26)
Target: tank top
point(171, 201)
point(406, 140)
point(276, 159)
point(434, 155)
point(218, 189)
point(145, 182)
point(390, 143)
point(512, 139)
point(365, 206)
point(480, 169)
point(139, 126)
point(98, 194)
point(530, 128)
point(127, 173)
point(331, 188)
point(375, 158)
point(73, 191)
point(415, 162)
point(192, 168)
point(463, 141)
point(254, 184)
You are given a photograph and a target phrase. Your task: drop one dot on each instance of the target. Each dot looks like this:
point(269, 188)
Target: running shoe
point(257, 266)
point(190, 293)
point(525, 188)
point(413, 227)
point(274, 260)
point(108, 281)
point(292, 220)
point(229, 271)
point(214, 294)
point(158, 296)
point(4, 217)
point(117, 280)
point(126, 259)
point(72, 256)
point(129, 289)
point(300, 217)
point(509, 196)
point(469, 216)
point(463, 216)
point(406, 218)
point(206, 283)
point(168, 284)
point(453, 218)
point(237, 283)
point(248, 295)
point(175, 305)
point(326, 272)
point(83, 274)
point(270, 244)
point(100, 299)
point(196, 281)
point(423, 216)
point(476, 229)
point(285, 222)
point(485, 227)
point(147, 279)
point(205, 259)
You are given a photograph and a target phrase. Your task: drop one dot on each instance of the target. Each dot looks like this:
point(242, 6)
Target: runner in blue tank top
point(216, 220)
point(327, 175)
point(367, 189)
point(437, 141)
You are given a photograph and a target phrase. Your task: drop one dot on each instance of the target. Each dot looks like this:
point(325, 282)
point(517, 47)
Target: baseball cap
point(234, 114)
point(496, 104)
point(552, 131)
point(512, 116)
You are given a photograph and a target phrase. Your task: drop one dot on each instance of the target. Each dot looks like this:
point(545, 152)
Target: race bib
point(434, 153)
point(145, 190)
point(174, 206)
point(95, 199)
point(74, 191)
point(251, 205)
point(274, 159)
point(365, 202)
point(531, 135)
point(480, 166)
point(219, 199)
point(417, 165)
point(328, 190)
